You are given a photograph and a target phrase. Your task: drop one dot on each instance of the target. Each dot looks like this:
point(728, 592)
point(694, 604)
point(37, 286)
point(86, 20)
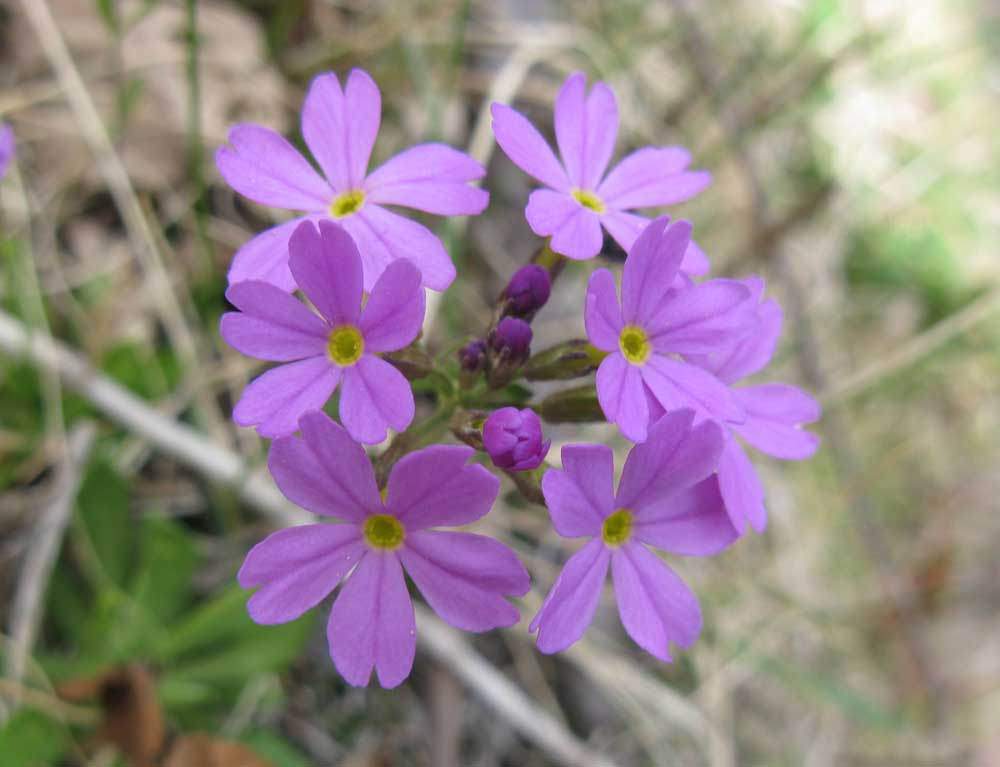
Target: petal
point(274, 401)
point(526, 148)
point(327, 267)
point(433, 486)
point(701, 318)
point(586, 129)
point(651, 267)
point(651, 177)
point(602, 314)
point(432, 178)
point(775, 412)
point(571, 603)
point(464, 578)
point(340, 127)
point(619, 390)
point(575, 231)
point(695, 261)
point(676, 385)
point(581, 494)
point(394, 311)
point(624, 227)
point(674, 457)
point(383, 236)
point(7, 142)
point(271, 325)
point(297, 568)
point(265, 257)
point(264, 167)
point(741, 488)
point(693, 522)
point(372, 624)
point(375, 396)
point(325, 471)
point(655, 605)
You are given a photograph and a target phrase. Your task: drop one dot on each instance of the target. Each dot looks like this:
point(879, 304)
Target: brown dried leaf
point(203, 750)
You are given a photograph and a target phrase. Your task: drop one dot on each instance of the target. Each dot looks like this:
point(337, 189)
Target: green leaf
point(103, 508)
point(30, 739)
point(275, 749)
point(167, 560)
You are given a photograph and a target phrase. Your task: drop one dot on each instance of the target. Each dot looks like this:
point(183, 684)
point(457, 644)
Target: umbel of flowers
point(661, 360)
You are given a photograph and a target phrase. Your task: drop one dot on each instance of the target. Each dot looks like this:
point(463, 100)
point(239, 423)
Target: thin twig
point(40, 556)
point(193, 449)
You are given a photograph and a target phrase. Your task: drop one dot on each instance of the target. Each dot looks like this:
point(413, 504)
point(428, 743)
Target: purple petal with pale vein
point(693, 523)
point(655, 605)
point(372, 624)
point(264, 167)
point(624, 227)
point(755, 350)
point(580, 237)
point(651, 267)
point(432, 178)
point(327, 267)
point(265, 257)
point(741, 488)
point(674, 457)
point(695, 261)
point(526, 148)
point(650, 177)
point(586, 129)
point(464, 577)
point(620, 393)
point(701, 318)
point(325, 471)
point(570, 605)
point(775, 412)
point(581, 494)
point(340, 127)
point(274, 401)
point(547, 211)
point(676, 385)
point(271, 325)
point(433, 486)
point(602, 314)
point(383, 236)
point(297, 568)
point(394, 311)
point(374, 397)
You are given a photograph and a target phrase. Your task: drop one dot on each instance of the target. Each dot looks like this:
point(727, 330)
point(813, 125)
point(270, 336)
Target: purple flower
point(463, 577)
point(528, 290)
point(773, 413)
point(513, 438)
point(340, 345)
point(339, 127)
point(667, 498)
point(6, 148)
point(513, 336)
point(658, 317)
point(577, 202)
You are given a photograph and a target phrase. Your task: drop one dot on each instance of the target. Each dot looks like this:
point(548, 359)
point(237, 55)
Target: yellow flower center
point(347, 203)
point(588, 200)
point(617, 528)
point(634, 344)
point(383, 531)
point(345, 345)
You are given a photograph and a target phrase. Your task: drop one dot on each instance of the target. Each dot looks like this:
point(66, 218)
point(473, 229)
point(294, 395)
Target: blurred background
point(855, 152)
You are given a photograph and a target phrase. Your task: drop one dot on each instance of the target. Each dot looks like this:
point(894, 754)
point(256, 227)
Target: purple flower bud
point(513, 438)
point(472, 356)
point(528, 290)
point(514, 335)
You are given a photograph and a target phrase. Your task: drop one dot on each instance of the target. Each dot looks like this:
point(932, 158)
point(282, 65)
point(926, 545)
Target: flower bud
point(576, 405)
point(472, 356)
point(511, 338)
point(528, 290)
point(570, 359)
point(513, 438)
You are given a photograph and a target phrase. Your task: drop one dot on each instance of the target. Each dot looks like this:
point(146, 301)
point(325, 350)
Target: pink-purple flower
point(513, 439)
point(464, 577)
point(6, 148)
point(578, 199)
point(773, 412)
point(340, 346)
point(660, 316)
point(339, 127)
point(669, 498)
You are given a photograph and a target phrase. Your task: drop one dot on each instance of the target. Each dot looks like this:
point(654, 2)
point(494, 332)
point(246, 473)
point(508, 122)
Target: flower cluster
point(665, 353)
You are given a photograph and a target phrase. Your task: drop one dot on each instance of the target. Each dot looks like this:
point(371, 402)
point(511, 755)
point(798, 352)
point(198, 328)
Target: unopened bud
point(576, 405)
point(570, 359)
point(528, 290)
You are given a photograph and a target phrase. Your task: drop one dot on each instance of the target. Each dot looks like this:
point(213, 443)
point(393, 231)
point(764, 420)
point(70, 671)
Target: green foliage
point(31, 739)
